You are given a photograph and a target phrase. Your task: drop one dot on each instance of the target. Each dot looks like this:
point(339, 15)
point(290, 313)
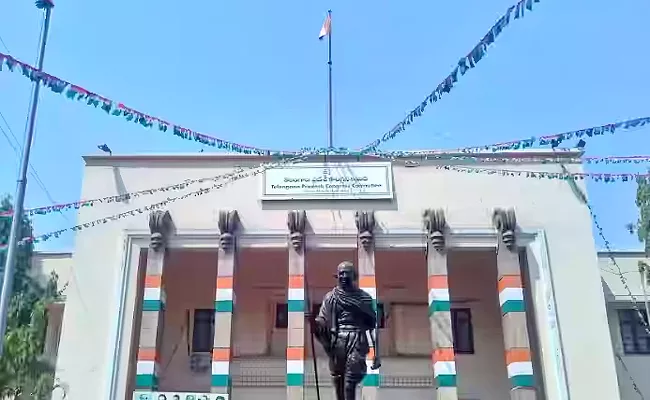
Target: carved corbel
point(435, 224)
point(296, 221)
point(160, 226)
point(228, 220)
point(505, 221)
point(365, 221)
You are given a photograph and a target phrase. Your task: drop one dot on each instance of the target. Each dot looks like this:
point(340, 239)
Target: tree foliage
point(24, 372)
point(643, 204)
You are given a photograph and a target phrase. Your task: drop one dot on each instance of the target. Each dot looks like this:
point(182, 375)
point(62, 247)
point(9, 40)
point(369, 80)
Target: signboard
point(139, 395)
point(330, 181)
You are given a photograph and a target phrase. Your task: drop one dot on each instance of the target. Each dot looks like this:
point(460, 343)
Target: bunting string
point(487, 158)
point(111, 107)
point(555, 140)
point(464, 65)
point(578, 176)
point(598, 177)
point(605, 177)
point(519, 144)
point(126, 196)
point(141, 210)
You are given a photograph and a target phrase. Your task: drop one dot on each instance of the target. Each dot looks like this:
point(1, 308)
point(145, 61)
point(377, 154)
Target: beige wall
point(468, 200)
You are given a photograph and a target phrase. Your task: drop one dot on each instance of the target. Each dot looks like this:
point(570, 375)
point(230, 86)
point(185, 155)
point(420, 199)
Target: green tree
point(642, 226)
point(24, 373)
point(643, 203)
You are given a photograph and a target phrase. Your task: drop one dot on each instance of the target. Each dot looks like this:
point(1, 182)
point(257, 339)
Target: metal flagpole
point(312, 326)
point(330, 142)
point(16, 222)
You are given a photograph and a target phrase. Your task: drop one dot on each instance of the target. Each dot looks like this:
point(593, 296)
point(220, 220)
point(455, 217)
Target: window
point(282, 318)
point(203, 331)
point(462, 330)
point(633, 334)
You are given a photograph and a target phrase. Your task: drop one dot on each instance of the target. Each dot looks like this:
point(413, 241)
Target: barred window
point(633, 332)
point(203, 333)
point(462, 330)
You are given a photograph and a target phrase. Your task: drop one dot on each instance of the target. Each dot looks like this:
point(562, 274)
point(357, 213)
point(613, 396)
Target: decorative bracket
point(505, 221)
point(160, 226)
point(228, 221)
point(435, 225)
point(296, 221)
point(365, 221)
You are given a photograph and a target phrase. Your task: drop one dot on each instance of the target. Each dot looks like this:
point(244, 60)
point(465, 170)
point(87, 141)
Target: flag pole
point(330, 142)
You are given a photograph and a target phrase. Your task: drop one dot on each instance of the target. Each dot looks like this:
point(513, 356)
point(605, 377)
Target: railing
point(390, 381)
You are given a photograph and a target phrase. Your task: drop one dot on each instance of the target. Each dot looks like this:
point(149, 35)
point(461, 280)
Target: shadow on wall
point(119, 183)
point(609, 295)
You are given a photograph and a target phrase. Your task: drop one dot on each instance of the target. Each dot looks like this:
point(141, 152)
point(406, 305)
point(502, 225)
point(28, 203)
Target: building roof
point(52, 253)
point(532, 154)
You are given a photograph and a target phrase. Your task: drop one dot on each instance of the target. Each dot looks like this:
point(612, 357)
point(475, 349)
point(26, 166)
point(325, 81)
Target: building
point(205, 295)
point(630, 343)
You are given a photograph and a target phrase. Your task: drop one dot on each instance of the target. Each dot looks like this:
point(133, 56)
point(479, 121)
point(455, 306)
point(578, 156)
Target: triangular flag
point(327, 27)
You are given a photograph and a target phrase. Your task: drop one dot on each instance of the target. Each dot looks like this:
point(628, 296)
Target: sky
point(254, 72)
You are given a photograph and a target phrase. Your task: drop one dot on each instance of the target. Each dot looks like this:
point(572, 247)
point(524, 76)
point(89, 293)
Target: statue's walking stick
point(375, 339)
point(312, 327)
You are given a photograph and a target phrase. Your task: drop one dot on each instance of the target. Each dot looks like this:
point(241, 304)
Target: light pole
point(19, 201)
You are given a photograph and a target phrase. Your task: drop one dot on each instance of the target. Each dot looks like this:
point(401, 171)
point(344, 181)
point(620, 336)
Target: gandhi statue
point(345, 316)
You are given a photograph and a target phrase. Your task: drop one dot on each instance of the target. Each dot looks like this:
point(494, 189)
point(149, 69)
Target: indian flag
point(326, 28)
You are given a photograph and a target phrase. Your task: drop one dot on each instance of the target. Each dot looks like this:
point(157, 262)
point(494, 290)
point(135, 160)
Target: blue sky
point(254, 72)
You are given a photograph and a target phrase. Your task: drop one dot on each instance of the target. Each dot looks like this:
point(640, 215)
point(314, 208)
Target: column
point(365, 221)
point(296, 221)
point(224, 304)
point(153, 303)
point(513, 311)
point(442, 355)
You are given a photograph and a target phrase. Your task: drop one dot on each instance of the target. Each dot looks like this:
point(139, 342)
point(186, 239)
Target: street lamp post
point(19, 201)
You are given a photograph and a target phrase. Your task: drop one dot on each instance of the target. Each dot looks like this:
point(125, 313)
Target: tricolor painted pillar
point(442, 355)
point(153, 304)
point(365, 221)
point(296, 221)
point(513, 310)
point(224, 304)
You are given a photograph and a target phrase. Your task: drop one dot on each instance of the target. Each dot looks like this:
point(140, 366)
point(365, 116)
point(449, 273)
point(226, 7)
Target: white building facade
point(481, 281)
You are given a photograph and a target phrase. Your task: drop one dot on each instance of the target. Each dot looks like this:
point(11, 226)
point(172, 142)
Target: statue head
point(346, 275)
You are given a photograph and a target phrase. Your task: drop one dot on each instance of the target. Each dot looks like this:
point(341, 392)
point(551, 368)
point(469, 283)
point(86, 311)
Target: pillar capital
point(505, 221)
point(365, 222)
point(296, 222)
point(160, 226)
point(435, 225)
point(228, 224)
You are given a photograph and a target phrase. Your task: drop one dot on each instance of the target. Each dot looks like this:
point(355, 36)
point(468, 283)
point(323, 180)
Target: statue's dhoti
point(348, 361)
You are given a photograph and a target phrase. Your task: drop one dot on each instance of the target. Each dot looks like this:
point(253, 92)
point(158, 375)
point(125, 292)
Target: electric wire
point(582, 197)
point(2, 42)
point(15, 144)
point(33, 172)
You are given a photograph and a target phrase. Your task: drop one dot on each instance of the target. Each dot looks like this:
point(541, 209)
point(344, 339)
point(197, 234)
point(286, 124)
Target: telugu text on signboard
point(331, 181)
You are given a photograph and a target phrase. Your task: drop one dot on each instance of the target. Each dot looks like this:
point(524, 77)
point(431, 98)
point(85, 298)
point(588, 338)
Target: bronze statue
point(345, 316)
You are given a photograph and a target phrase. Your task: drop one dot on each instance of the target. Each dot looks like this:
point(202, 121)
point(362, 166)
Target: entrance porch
point(231, 321)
